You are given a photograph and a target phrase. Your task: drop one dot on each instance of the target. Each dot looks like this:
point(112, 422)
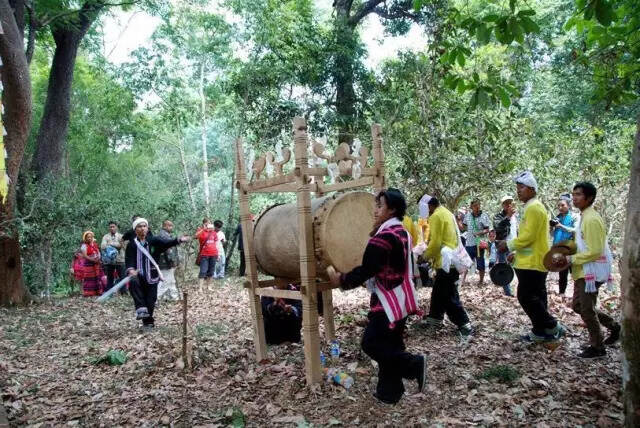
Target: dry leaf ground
point(47, 378)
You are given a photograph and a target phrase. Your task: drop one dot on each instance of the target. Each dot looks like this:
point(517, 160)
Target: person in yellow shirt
point(527, 251)
point(590, 265)
point(444, 297)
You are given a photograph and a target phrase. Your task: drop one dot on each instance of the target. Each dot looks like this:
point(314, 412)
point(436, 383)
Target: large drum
point(341, 227)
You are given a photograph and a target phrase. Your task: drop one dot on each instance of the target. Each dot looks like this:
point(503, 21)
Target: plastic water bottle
point(338, 377)
point(323, 359)
point(335, 350)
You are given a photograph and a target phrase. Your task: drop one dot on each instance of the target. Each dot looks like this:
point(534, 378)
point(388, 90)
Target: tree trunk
point(631, 294)
point(229, 227)
point(183, 162)
point(51, 140)
point(17, 119)
point(205, 161)
point(346, 40)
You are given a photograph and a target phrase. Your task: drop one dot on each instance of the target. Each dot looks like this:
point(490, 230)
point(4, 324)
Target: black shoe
point(147, 327)
point(466, 330)
point(385, 400)
point(614, 336)
point(422, 373)
point(592, 352)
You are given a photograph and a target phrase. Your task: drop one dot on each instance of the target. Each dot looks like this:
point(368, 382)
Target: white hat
point(139, 220)
point(506, 198)
point(423, 206)
point(527, 179)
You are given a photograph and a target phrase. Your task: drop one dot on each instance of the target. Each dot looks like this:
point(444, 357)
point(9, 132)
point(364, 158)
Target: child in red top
point(208, 253)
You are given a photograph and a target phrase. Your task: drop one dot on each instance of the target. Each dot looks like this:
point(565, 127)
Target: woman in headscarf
point(91, 271)
point(144, 271)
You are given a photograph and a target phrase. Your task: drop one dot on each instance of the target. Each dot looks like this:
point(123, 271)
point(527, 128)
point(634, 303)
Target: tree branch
point(400, 14)
point(366, 8)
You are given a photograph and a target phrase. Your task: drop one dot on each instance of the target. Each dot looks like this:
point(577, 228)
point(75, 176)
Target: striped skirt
point(91, 273)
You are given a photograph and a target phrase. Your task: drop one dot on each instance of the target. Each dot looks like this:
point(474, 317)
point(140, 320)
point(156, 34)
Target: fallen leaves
point(47, 378)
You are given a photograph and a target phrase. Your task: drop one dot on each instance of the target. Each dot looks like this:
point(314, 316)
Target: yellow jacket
point(532, 242)
point(443, 233)
point(594, 234)
point(412, 228)
point(423, 225)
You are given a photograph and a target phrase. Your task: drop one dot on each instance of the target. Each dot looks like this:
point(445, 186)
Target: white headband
point(527, 179)
point(139, 220)
point(423, 206)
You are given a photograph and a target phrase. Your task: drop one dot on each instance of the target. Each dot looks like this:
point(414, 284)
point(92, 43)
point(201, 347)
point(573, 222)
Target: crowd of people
point(452, 244)
point(528, 245)
point(147, 260)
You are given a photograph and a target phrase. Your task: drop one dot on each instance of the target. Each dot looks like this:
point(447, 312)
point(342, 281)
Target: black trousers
point(110, 270)
point(445, 298)
point(242, 264)
point(532, 295)
point(563, 280)
point(386, 347)
point(144, 296)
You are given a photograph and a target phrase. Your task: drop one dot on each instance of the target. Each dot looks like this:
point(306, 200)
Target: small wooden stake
point(185, 360)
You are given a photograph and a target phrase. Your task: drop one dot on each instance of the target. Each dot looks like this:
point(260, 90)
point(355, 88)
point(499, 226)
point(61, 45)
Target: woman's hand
point(133, 273)
point(334, 277)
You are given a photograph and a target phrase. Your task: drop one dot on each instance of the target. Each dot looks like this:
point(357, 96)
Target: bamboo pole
point(307, 255)
point(260, 342)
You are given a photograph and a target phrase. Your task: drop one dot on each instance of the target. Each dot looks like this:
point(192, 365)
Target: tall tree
point(67, 34)
point(397, 14)
point(17, 103)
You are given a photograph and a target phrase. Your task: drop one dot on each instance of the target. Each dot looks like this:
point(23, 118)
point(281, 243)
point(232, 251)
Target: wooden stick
point(307, 256)
point(279, 294)
point(351, 184)
point(185, 360)
point(279, 188)
point(270, 182)
point(260, 342)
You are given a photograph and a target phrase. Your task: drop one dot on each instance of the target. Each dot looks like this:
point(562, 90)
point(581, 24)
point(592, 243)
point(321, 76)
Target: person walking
point(386, 269)
point(528, 250)
point(590, 268)
point(445, 298)
point(144, 270)
point(208, 253)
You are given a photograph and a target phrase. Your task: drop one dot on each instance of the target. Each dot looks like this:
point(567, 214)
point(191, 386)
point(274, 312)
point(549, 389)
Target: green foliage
point(498, 89)
point(611, 52)
point(113, 357)
point(501, 373)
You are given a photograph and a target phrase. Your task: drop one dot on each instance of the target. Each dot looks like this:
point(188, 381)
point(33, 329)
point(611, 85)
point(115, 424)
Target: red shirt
point(208, 239)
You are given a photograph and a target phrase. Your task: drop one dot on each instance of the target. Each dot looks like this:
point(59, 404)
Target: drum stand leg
point(327, 314)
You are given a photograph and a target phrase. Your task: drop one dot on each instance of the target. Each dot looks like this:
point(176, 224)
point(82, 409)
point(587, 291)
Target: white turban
point(139, 220)
point(423, 206)
point(527, 179)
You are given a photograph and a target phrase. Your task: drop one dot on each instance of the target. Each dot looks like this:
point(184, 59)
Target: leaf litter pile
point(77, 362)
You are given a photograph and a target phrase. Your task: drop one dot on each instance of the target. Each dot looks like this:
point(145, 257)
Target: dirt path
point(47, 376)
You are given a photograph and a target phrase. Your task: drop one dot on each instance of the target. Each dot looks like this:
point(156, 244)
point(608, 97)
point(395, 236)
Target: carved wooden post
point(307, 255)
point(378, 157)
point(259, 341)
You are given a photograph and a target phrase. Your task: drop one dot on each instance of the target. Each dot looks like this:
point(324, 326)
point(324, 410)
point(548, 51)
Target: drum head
point(345, 230)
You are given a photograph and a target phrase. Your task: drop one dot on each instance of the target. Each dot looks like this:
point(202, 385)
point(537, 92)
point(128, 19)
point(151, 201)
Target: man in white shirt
point(477, 226)
point(220, 263)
